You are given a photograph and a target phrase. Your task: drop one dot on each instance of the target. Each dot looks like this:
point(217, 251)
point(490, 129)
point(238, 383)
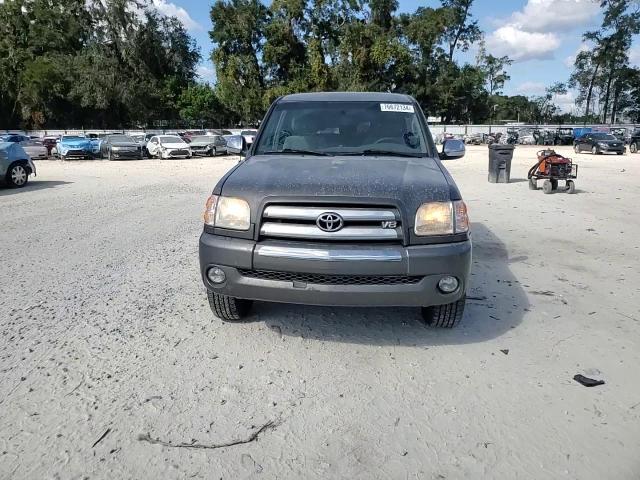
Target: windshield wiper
point(296, 150)
point(388, 153)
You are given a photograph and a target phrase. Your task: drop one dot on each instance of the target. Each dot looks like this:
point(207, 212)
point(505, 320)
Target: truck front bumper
point(335, 274)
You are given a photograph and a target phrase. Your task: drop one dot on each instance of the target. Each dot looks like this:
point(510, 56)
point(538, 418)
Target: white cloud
point(206, 73)
point(555, 15)
point(534, 32)
point(520, 45)
point(566, 102)
point(172, 10)
point(531, 88)
point(571, 59)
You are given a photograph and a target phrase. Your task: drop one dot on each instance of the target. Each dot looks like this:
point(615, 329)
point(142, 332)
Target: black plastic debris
point(586, 381)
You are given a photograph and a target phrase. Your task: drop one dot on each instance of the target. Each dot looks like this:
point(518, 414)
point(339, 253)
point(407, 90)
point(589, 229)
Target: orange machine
point(551, 167)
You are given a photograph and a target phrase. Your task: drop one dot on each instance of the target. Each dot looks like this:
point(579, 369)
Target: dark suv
point(341, 200)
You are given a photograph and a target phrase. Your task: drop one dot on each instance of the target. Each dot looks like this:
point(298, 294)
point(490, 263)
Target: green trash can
point(500, 156)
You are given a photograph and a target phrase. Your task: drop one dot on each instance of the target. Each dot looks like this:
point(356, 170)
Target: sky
point(541, 36)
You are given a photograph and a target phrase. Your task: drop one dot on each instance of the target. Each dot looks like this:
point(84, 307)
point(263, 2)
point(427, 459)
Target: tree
point(461, 31)
point(494, 69)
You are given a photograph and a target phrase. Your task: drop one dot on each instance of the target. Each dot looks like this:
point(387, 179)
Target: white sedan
point(168, 146)
point(35, 149)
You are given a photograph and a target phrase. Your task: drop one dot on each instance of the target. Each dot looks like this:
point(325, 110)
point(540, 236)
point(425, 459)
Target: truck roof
point(347, 97)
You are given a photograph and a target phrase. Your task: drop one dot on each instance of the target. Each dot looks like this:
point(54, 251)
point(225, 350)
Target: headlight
point(227, 212)
point(115, 149)
point(441, 218)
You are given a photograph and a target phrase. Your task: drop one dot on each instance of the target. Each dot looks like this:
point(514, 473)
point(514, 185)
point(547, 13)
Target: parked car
point(249, 136)
point(120, 147)
point(143, 139)
point(35, 149)
point(564, 136)
point(15, 164)
point(634, 142)
point(474, 139)
point(343, 200)
point(599, 142)
point(14, 137)
point(620, 133)
point(50, 143)
point(208, 145)
point(74, 146)
point(168, 146)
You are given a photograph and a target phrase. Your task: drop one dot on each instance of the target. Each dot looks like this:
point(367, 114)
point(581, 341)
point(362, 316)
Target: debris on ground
point(586, 381)
point(101, 438)
point(505, 351)
point(270, 425)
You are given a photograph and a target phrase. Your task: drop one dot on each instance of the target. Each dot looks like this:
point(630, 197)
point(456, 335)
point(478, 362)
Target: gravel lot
point(106, 330)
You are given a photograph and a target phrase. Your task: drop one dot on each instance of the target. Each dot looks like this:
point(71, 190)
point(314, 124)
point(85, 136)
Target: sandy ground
point(106, 330)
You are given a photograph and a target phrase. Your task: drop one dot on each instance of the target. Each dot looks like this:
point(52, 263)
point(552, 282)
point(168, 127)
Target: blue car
point(75, 146)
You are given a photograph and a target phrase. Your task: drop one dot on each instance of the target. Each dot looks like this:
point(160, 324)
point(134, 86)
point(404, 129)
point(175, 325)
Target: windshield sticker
point(396, 107)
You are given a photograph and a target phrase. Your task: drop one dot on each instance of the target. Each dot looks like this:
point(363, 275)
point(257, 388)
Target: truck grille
point(355, 223)
point(320, 279)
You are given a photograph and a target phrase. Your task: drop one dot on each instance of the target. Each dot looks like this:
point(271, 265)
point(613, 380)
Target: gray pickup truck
point(342, 200)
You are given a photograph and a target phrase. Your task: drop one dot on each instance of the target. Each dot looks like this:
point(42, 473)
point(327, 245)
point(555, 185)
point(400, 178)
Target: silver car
point(35, 149)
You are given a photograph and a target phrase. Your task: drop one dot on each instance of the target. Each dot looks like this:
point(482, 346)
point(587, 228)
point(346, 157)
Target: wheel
point(533, 184)
point(554, 184)
point(214, 151)
point(633, 148)
point(446, 316)
point(109, 155)
point(63, 158)
point(594, 150)
point(547, 187)
point(228, 309)
point(17, 176)
point(576, 148)
point(571, 186)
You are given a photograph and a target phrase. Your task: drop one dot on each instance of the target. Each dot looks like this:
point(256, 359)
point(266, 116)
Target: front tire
point(547, 187)
point(444, 316)
point(17, 176)
point(571, 186)
point(633, 148)
point(594, 150)
point(228, 309)
point(533, 184)
point(576, 148)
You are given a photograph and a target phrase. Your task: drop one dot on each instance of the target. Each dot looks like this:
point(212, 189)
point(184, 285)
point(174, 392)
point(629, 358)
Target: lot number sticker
point(396, 107)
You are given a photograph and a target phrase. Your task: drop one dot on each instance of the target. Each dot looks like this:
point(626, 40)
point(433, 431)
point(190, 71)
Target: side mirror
point(452, 149)
point(237, 144)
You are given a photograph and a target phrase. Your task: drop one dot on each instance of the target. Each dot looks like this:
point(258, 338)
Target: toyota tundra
point(341, 200)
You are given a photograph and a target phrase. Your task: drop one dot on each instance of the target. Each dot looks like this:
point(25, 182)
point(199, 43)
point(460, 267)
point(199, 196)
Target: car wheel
point(547, 186)
point(63, 158)
point(17, 176)
point(571, 186)
point(214, 152)
point(594, 150)
point(446, 316)
point(109, 155)
point(633, 148)
point(576, 148)
point(533, 184)
point(228, 309)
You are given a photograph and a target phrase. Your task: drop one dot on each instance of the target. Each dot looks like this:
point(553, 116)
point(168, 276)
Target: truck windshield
point(343, 128)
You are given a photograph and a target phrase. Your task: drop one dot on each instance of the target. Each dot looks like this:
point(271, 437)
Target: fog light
point(448, 284)
point(216, 275)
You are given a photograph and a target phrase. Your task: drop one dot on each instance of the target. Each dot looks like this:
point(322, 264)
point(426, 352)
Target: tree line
point(120, 63)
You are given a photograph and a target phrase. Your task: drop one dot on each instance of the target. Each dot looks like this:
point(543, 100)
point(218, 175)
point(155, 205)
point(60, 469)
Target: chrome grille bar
point(285, 212)
point(293, 230)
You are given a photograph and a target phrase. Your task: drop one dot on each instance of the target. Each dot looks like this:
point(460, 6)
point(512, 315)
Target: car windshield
point(170, 139)
point(121, 138)
point(603, 136)
point(353, 128)
point(248, 132)
point(202, 138)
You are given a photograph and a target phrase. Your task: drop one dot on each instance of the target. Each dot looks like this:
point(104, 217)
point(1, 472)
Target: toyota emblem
point(329, 222)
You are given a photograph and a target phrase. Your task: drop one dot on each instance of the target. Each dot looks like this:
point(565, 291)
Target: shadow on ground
point(32, 186)
point(496, 303)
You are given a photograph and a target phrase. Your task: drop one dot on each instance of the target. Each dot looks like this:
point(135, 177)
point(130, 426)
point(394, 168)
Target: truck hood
point(404, 182)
